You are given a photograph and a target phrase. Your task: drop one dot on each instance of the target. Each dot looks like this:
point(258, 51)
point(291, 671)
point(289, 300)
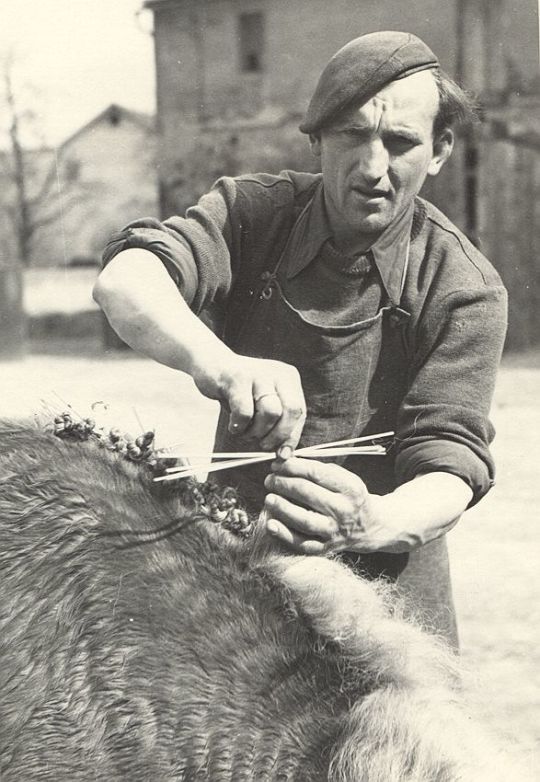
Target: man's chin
point(372, 224)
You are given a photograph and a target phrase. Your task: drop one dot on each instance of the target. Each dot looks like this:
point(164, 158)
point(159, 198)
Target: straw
point(314, 451)
point(375, 450)
point(249, 455)
point(253, 454)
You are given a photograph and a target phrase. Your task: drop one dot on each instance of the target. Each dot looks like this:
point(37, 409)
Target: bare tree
point(37, 193)
point(12, 318)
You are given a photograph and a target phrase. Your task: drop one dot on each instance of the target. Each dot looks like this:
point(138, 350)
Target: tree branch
point(69, 198)
point(51, 177)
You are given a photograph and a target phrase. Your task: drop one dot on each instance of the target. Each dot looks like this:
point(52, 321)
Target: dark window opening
point(72, 171)
point(251, 41)
point(114, 115)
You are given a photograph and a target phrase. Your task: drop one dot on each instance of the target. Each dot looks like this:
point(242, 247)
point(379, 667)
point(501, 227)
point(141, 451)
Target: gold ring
point(268, 393)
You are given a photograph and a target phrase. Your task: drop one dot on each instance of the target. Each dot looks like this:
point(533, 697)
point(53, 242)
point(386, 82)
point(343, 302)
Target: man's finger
point(287, 448)
point(330, 476)
point(268, 410)
point(308, 522)
point(286, 433)
point(288, 430)
point(304, 492)
point(294, 539)
point(240, 401)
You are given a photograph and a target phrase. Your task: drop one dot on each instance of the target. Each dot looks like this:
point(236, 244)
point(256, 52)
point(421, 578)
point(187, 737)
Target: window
point(114, 115)
point(72, 171)
point(251, 41)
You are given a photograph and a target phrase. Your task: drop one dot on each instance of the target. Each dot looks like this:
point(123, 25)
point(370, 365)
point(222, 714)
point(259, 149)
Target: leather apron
point(354, 378)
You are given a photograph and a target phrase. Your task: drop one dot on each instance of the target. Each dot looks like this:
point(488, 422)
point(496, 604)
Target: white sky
point(80, 55)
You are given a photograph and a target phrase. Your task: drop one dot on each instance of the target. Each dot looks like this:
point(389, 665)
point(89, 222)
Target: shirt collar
point(389, 252)
point(308, 235)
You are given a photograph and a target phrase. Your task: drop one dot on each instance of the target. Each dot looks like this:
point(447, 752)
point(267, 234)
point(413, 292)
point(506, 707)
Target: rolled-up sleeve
point(196, 249)
point(443, 423)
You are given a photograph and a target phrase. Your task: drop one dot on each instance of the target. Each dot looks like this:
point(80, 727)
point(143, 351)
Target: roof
point(145, 121)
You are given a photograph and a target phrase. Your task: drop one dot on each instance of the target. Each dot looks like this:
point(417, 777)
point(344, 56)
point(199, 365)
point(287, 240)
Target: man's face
point(375, 158)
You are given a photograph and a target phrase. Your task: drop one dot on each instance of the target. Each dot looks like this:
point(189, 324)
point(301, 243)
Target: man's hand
point(317, 507)
point(265, 398)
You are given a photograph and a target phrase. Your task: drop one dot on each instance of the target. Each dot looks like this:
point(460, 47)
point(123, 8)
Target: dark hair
point(456, 106)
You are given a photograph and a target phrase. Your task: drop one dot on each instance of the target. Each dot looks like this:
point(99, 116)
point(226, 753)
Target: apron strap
point(405, 269)
point(398, 316)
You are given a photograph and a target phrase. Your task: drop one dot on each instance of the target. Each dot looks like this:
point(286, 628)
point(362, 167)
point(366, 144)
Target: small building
point(98, 179)
point(56, 214)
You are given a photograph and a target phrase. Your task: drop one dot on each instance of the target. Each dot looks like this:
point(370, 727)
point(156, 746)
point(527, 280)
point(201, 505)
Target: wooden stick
point(253, 454)
point(364, 439)
point(309, 451)
point(208, 458)
point(312, 454)
point(186, 473)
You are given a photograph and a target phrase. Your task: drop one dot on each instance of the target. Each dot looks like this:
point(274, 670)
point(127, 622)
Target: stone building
point(234, 76)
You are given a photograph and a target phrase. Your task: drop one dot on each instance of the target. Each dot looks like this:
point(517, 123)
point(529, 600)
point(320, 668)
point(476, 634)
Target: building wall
point(500, 43)
point(509, 223)
point(521, 37)
point(300, 51)
point(201, 88)
point(198, 61)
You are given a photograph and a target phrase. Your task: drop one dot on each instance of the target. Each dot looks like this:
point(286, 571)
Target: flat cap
point(360, 69)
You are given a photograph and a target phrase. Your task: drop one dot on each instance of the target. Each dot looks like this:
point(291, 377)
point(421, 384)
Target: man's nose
point(373, 160)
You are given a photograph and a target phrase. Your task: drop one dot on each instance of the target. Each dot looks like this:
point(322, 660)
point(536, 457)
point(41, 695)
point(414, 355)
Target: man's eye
point(354, 133)
point(401, 143)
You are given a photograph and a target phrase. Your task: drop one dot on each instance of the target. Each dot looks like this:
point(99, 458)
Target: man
point(349, 306)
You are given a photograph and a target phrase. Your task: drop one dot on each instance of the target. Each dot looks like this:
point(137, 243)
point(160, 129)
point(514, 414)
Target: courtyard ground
point(494, 549)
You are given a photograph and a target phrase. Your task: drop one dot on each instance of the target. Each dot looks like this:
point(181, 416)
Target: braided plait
point(220, 505)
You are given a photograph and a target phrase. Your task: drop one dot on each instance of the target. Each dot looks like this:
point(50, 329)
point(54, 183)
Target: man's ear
point(315, 144)
point(442, 149)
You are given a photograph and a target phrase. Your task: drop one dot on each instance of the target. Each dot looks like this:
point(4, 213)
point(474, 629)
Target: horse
point(153, 633)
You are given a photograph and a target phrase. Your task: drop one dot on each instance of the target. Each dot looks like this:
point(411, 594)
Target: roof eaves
point(146, 121)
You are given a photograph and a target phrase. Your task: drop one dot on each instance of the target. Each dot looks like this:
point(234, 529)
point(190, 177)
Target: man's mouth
point(371, 194)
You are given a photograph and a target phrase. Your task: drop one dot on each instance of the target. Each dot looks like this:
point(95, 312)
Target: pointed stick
point(254, 454)
point(208, 458)
point(309, 451)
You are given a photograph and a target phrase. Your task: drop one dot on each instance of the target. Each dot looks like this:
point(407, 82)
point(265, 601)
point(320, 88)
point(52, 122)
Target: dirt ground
point(494, 549)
